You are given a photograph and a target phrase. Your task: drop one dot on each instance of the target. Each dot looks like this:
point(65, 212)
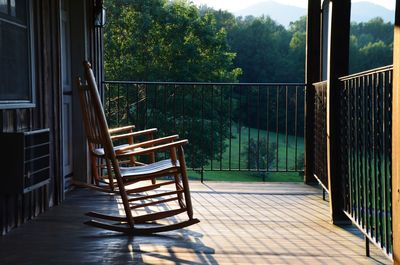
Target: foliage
point(261, 46)
point(173, 40)
point(260, 154)
point(371, 45)
point(159, 40)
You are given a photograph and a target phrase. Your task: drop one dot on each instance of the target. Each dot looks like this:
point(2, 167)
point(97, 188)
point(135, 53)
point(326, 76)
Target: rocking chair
point(175, 166)
point(106, 183)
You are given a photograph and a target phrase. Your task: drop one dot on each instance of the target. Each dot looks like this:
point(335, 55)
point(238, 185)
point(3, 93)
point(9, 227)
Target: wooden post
point(313, 70)
point(79, 51)
point(396, 139)
point(338, 61)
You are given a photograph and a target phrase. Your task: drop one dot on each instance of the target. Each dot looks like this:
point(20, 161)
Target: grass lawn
point(235, 157)
point(246, 176)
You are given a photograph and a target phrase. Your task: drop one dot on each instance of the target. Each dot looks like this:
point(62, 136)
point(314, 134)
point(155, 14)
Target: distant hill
point(364, 11)
point(284, 14)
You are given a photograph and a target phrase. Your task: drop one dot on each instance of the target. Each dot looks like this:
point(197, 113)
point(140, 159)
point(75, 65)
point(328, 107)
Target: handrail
point(199, 83)
point(367, 72)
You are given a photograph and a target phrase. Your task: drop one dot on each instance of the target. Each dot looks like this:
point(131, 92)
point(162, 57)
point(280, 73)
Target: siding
point(17, 209)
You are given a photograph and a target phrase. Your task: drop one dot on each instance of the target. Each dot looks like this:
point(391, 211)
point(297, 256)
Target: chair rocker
point(133, 223)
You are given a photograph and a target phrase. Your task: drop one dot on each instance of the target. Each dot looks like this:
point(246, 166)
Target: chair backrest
point(97, 129)
point(95, 122)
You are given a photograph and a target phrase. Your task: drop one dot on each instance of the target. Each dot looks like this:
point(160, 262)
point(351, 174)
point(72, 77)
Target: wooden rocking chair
point(175, 166)
point(106, 183)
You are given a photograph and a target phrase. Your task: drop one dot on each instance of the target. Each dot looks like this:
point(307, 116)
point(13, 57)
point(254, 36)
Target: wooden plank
point(396, 139)
point(338, 61)
point(240, 223)
point(313, 68)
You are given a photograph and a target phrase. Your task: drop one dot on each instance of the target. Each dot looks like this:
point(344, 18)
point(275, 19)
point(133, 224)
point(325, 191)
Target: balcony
point(245, 157)
point(251, 137)
point(241, 223)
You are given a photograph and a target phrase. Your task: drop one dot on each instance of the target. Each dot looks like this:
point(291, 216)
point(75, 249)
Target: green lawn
point(238, 158)
point(244, 176)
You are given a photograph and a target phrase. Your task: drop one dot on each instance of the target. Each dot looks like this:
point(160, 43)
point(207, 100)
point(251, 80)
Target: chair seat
point(153, 168)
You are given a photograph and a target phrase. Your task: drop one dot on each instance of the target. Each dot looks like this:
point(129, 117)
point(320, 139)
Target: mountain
point(284, 14)
point(281, 13)
point(364, 11)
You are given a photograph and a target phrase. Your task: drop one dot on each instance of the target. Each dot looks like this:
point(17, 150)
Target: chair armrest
point(133, 134)
point(157, 148)
point(121, 129)
point(153, 142)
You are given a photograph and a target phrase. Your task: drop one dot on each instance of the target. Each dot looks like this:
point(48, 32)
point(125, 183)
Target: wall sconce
point(99, 14)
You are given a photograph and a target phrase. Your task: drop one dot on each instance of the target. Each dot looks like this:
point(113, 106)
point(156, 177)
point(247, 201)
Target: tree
point(371, 45)
point(160, 40)
point(260, 155)
point(260, 45)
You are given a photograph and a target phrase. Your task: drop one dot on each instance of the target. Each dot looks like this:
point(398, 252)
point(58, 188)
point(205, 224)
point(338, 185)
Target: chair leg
point(123, 194)
point(152, 160)
point(185, 182)
point(110, 176)
point(95, 172)
point(178, 187)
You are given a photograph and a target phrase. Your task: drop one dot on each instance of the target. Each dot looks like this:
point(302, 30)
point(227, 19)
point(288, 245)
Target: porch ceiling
point(241, 223)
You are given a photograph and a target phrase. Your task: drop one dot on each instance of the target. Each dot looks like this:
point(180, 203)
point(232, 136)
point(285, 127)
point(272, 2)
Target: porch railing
point(366, 116)
point(320, 135)
point(231, 127)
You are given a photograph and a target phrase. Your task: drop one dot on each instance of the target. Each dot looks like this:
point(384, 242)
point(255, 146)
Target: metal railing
point(366, 116)
point(320, 135)
point(231, 127)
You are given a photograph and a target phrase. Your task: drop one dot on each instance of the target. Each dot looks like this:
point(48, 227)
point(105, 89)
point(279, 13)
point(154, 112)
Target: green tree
point(260, 155)
point(160, 40)
point(260, 45)
point(371, 45)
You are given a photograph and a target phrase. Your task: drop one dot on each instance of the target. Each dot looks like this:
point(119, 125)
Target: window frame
point(31, 102)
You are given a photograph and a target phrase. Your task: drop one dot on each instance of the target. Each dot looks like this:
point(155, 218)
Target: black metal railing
point(366, 113)
point(320, 134)
point(231, 127)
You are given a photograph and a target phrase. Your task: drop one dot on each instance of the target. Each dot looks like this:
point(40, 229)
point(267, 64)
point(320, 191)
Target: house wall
point(17, 209)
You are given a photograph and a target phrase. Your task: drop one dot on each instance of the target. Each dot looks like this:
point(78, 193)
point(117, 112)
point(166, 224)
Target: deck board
point(241, 223)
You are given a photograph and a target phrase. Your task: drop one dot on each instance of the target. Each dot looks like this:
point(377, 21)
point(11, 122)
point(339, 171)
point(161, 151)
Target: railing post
point(396, 139)
point(338, 61)
point(313, 67)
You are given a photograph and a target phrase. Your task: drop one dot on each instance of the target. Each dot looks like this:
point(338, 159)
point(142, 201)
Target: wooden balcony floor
point(240, 224)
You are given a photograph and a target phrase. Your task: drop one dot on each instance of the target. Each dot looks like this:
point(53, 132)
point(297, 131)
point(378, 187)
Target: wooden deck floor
point(240, 224)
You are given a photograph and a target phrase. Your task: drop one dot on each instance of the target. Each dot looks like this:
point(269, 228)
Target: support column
point(79, 51)
point(338, 66)
point(313, 74)
point(396, 139)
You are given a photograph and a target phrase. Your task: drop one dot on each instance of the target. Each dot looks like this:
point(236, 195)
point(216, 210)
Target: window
point(16, 77)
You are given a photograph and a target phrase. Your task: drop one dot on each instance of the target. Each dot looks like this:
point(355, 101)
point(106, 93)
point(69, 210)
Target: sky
point(235, 5)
